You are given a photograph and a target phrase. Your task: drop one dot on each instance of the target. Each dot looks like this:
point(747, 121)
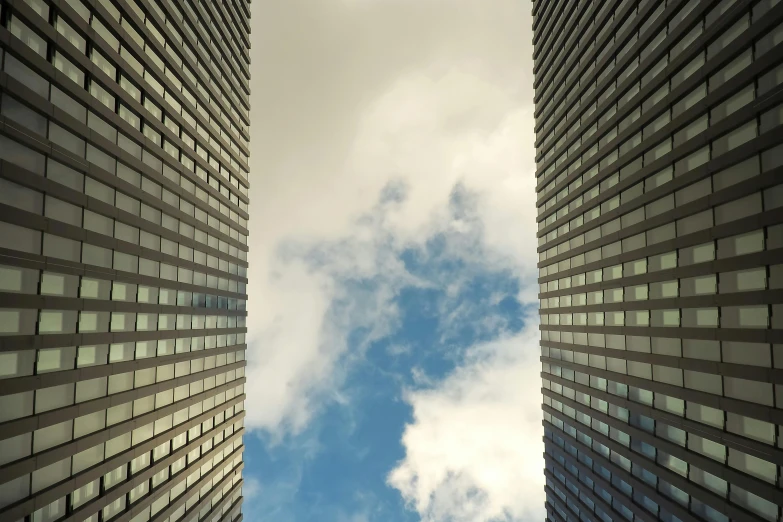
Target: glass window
point(753, 503)
point(103, 64)
point(738, 209)
point(664, 289)
point(735, 138)
point(95, 255)
point(662, 261)
point(751, 428)
point(66, 140)
point(98, 223)
point(85, 493)
point(743, 280)
point(51, 436)
point(70, 34)
point(23, 115)
point(59, 173)
point(26, 76)
point(745, 316)
point(701, 221)
point(63, 211)
point(708, 481)
point(99, 191)
point(27, 36)
point(65, 66)
point(15, 364)
point(114, 508)
point(18, 280)
point(51, 512)
point(700, 317)
point(57, 321)
point(92, 355)
point(700, 285)
point(741, 244)
point(706, 382)
point(747, 390)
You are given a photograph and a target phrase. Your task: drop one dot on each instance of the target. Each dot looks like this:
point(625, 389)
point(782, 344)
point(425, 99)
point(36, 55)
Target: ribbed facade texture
point(660, 225)
point(124, 128)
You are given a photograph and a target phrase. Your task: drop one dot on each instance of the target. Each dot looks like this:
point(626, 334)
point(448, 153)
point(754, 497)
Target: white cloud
point(251, 488)
point(473, 452)
point(435, 99)
point(407, 138)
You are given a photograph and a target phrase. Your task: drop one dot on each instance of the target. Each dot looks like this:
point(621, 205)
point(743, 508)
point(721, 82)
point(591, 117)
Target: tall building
point(660, 223)
point(123, 259)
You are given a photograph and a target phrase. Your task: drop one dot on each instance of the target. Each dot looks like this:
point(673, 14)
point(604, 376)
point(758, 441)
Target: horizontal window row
point(75, 72)
point(36, 242)
point(766, 83)
point(19, 154)
point(578, 441)
point(769, 120)
point(575, 498)
point(47, 360)
point(47, 322)
point(734, 352)
point(546, 17)
point(732, 387)
point(749, 316)
point(754, 279)
point(619, 496)
point(30, 281)
point(22, 404)
point(227, 54)
point(722, 180)
point(730, 176)
point(575, 81)
point(768, 238)
point(762, 45)
point(228, 104)
point(693, 444)
point(560, 41)
point(178, 23)
point(27, 444)
point(173, 67)
point(123, 504)
point(732, 422)
point(192, 462)
point(59, 210)
point(36, 123)
point(563, 48)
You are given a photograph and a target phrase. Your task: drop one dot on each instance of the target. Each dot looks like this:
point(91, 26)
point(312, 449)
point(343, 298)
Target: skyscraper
point(123, 259)
point(660, 198)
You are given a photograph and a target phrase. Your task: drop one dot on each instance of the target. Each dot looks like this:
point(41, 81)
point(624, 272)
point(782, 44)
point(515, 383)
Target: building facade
point(660, 224)
point(124, 128)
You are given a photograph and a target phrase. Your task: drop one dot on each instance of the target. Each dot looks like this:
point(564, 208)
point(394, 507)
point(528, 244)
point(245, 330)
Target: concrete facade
point(660, 225)
point(124, 143)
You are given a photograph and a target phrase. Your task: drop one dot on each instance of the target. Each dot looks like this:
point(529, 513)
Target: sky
point(393, 369)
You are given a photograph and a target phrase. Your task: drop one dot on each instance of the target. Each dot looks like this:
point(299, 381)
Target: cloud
point(369, 118)
point(251, 488)
point(382, 128)
point(473, 452)
point(311, 286)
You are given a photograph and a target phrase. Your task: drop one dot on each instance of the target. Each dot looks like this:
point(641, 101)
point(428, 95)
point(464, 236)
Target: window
point(747, 390)
point(28, 36)
point(102, 95)
point(95, 255)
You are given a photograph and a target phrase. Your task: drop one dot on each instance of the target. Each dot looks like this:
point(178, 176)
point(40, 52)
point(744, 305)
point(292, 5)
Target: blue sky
point(338, 467)
point(392, 367)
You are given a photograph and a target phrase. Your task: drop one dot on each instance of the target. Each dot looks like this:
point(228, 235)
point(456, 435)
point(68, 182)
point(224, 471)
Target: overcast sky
point(392, 263)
